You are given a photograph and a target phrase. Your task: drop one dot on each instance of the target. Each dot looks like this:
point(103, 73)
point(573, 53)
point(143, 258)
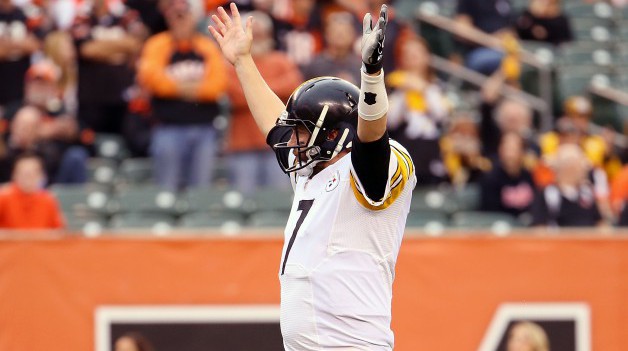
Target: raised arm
point(373, 104)
point(235, 43)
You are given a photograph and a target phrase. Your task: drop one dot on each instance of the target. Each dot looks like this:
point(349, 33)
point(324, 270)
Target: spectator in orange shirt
point(185, 73)
point(24, 203)
point(250, 161)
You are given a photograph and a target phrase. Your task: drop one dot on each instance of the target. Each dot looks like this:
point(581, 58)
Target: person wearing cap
point(40, 124)
point(186, 76)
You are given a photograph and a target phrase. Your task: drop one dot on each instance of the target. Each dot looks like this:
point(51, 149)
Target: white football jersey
point(339, 255)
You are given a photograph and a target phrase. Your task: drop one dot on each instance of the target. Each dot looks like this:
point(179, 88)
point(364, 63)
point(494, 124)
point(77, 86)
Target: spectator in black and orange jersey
point(17, 42)
point(107, 40)
point(302, 41)
point(185, 73)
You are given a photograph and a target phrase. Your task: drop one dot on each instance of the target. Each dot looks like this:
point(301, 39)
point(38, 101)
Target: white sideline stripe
point(106, 315)
point(578, 312)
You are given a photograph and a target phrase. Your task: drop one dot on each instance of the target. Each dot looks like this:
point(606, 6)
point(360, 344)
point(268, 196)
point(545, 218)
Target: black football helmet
point(321, 105)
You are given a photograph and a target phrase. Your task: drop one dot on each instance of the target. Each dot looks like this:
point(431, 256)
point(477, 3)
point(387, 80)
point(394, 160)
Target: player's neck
point(322, 165)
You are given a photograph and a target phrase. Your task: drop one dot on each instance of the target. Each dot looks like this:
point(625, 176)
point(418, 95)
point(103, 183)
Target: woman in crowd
point(418, 109)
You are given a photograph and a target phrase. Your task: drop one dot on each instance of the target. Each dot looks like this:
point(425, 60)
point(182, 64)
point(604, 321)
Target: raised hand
point(234, 40)
point(373, 41)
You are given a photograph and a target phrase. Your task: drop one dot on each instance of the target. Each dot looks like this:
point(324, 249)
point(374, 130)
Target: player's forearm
point(264, 104)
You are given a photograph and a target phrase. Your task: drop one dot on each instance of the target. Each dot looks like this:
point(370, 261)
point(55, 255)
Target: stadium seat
point(157, 223)
point(101, 170)
point(580, 9)
point(88, 224)
point(264, 219)
point(136, 171)
point(575, 80)
point(423, 218)
point(428, 199)
point(481, 220)
point(593, 30)
point(110, 146)
point(80, 200)
point(147, 199)
point(273, 200)
point(465, 199)
point(210, 219)
point(543, 51)
point(214, 200)
point(586, 53)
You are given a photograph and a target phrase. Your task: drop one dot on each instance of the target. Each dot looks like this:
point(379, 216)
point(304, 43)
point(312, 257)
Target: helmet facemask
point(318, 148)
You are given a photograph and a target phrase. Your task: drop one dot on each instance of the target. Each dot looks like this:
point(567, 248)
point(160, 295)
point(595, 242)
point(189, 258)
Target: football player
point(352, 191)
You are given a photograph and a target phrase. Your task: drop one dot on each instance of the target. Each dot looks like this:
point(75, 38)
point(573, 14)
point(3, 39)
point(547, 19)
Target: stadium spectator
point(24, 203)
point(252, 164)
point(150, 13)
point(504, 116)
point(17, 42)
point(185, 73)
point(418, 110)
point(277, 10)
point(302, 41)
point(545, 21)
point(40, 124)
point(107, 39)
point(494, 17)
point(575, 128)
point(499, 111)
point(571, 200)
point(59, 48)
point(339, 58)
point(461, 149)
point(138, 123)
point(508, 187)
point(527, 336)
point(133, 342)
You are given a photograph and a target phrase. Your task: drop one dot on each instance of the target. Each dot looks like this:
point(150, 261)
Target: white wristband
point(373, 102)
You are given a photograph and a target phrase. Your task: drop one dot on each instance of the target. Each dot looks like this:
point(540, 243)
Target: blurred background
point(121, 119)
point(513, 111)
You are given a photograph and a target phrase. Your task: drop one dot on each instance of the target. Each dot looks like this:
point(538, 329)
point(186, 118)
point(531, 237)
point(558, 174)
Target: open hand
point(373, 41)
point(234, 40)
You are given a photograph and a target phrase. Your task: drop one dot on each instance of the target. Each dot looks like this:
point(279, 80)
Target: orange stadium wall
point(446, 295)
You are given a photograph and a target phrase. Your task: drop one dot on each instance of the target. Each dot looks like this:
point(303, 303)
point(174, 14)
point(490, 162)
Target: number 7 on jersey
point(304, 207)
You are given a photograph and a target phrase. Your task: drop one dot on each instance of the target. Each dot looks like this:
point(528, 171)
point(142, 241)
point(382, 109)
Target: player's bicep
point(400, 173)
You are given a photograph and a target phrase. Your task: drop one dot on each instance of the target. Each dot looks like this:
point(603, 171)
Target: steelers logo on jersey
point(333, 182)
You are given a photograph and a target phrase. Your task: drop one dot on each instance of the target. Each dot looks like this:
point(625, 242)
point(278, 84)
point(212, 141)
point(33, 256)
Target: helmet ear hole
point(332, 135)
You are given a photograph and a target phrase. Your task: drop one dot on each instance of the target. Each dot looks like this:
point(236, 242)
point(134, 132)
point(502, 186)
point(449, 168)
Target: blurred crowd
point(148, 71)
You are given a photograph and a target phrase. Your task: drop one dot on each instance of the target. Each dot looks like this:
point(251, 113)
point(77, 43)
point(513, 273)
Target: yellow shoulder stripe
point(397, 182)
